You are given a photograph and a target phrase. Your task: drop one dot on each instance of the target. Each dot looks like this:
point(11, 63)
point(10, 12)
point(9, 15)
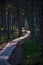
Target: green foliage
point(32, 52)
point(3, 36)
point(13, 33)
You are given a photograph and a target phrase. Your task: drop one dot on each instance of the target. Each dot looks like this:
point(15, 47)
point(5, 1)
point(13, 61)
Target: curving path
point(7, 50)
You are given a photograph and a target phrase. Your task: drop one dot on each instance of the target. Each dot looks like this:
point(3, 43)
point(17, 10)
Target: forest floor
point(3, 45)
point(32, 52)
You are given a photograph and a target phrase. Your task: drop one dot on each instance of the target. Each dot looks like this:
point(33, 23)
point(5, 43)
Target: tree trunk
point(41, 24)
point(32, 22)
point(18, 15)
point(8, 21)
point(0, 19)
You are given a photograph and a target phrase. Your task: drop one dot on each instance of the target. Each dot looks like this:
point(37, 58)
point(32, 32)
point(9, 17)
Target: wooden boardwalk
point(3, 62)
point(8, 49)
